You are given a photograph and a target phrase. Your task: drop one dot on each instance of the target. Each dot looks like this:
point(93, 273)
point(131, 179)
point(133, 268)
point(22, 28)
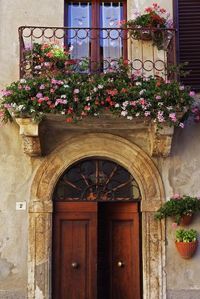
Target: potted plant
point(151, 25)
point(186, 242)
point(181, 208)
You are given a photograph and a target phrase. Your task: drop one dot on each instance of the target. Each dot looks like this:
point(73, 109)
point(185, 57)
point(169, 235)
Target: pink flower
point(40, 100)
point(76, 90)
point(158, 97)
point(87, 108)
point(6, 93)
point(27, 87)
point(54, 81)
point(42, 86)
point(192, 93)
point(133, 103)
point(181, 125)
point(112, 92)
point(7, 106)
point(176, 196)
point(142, 101)
point(39, 95)
point(173, 117)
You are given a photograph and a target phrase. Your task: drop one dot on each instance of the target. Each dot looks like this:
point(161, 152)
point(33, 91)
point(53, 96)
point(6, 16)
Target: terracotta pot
point(186, 220)
point(185, 249)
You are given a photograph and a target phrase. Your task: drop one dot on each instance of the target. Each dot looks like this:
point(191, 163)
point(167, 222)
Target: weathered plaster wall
point(180, 172)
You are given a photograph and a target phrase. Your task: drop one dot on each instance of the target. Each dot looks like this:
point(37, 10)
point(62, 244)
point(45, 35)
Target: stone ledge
point(159, 141)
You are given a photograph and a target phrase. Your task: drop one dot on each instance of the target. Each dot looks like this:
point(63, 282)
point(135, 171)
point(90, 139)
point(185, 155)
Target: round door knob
point(75, 265)
point(120, 264)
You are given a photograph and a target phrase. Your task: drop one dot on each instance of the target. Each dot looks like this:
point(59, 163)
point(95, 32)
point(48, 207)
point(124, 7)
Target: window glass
point(79, 16)
point(111, 44)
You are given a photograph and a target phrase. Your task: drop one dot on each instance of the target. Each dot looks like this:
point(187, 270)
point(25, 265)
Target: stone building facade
point(26, 235)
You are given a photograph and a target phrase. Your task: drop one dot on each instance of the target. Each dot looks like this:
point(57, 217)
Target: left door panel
point(74, 251)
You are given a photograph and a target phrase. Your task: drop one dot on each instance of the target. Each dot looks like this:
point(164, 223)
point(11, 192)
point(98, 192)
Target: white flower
point(95, 89)
point(66, 86)
point(137, 114)
point(100, 86)
point(129, 117)
point(125, 104)
point(88, 99)
point(117, 105)
point(37, 67)
point(23, 81)
point(142, 91)
point(138, 83)
point(169, 108)
point(124, 113)
point(21, 107)
point(63, 96)
point(14, 105)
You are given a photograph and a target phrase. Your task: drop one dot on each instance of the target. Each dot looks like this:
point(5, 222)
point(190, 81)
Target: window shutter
point(189, 40)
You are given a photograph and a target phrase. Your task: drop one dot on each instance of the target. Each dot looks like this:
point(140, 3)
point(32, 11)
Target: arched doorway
point(96, 243)
point(139, 165)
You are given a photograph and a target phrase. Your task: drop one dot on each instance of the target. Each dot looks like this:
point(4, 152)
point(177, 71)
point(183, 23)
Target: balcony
point(101, 48)
point(89, 62)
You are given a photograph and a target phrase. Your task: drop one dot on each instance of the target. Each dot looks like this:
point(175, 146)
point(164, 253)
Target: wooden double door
point(96, 251)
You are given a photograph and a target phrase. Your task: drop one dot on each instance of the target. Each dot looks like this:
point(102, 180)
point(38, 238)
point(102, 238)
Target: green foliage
point(183, 235)
point(177, 207)
point(77, 95)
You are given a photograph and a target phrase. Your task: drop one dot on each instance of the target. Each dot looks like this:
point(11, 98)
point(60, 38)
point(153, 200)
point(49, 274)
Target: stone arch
point(141, 167)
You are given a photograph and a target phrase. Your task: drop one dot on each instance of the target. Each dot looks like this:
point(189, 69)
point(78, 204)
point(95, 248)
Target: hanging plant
point(180, 208)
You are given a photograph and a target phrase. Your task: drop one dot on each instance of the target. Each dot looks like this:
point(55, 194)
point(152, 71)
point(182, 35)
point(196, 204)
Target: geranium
point(151, 25)
point(80, 94)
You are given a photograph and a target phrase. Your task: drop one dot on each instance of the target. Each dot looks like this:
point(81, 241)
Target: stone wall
point(180, 172)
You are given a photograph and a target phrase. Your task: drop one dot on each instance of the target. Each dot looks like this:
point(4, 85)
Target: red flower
point(112, 92)
point(148, 9)
point(70, 110)
point(69, 119)
point(108, 99)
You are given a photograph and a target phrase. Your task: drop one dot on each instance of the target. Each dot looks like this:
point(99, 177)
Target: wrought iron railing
point(99, 49)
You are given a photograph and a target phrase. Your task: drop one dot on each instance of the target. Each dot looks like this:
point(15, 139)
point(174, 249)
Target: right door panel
point(122, 234)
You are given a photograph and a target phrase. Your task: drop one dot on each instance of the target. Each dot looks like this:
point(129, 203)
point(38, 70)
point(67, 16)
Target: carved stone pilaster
point(153, 250)
point(30, 134)
point(39, 256)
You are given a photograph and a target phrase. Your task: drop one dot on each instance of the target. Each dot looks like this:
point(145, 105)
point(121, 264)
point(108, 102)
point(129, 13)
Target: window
point(188, 24)
point(95, 35)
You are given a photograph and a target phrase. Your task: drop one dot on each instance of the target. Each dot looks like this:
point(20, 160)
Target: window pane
point(111, 44)
point(79, 16)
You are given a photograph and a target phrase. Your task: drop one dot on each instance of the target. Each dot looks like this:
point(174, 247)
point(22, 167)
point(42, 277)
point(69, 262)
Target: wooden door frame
point(141, 167)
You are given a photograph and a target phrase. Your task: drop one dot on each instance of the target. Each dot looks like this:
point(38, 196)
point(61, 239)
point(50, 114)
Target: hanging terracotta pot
point(186, 249)
point(186, 219)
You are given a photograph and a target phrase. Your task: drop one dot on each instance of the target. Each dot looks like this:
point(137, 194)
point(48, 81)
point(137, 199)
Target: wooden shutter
point(188, 17)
